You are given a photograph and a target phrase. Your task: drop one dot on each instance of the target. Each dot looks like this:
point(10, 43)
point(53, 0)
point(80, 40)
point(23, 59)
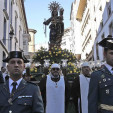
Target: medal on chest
point(10, 111)
point(10, 101)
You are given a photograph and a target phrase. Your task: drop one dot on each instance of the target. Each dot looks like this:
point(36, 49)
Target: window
point(111, 29)
point(15, 46)
point(15, 25)
point(103, 36)
point(101, 23)
point(10, 44)
point(94, 8)
point(5, 4)
point(96, 32)
point(4, 34)
point(11, 12)
point(24, 42)
point(19, 38)
point(100, 8)
point(97, 51)
point(3, 57)
point(20, 34)
point(109, 9)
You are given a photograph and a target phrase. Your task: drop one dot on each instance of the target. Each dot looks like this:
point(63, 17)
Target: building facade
point(105, 28)
point(90, 21)
point(32, 42)
point(66, 39)
point(14, 33)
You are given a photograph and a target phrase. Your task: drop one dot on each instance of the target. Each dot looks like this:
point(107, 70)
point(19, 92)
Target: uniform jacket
point(27, 99)
point(100, 91)
point(1, 78)
point(42, 86)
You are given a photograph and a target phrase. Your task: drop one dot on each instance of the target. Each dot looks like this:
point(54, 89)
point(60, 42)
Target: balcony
point(6, 14)
point(81, 8)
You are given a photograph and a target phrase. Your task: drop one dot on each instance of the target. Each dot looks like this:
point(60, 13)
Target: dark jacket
point(100, 91)
point(1, 78)
point(76, 93)
point(42, 86)
point(27, 99)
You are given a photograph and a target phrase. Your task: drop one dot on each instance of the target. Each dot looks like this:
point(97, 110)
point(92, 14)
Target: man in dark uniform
point(54, 90)
point(100, 98)
point(18, 95)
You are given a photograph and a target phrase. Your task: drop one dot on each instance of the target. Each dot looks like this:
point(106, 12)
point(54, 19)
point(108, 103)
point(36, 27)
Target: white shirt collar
point(109, 67)
point(11, 81)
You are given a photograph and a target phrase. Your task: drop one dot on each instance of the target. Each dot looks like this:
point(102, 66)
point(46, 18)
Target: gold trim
point(106, 107)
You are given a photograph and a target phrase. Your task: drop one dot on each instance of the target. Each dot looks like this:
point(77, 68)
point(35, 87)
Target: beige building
point(14, 33)
point(32, 42)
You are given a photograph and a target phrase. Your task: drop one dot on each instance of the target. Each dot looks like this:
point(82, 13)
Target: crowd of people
point(91, 92)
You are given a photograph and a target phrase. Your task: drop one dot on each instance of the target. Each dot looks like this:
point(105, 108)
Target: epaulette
point(104, 71)
point(31, 83)
point(99, 70)
point(96, 70)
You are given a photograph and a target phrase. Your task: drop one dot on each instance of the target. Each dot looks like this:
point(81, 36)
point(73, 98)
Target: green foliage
point(55, 55)
point(72, 71)
point(71, 68)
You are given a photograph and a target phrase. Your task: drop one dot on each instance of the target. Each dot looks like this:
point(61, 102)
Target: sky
point(37, 11)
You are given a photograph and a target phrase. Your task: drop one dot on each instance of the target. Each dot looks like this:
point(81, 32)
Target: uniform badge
point(10, 101)
point(109, 79)
point(107, 91)
point(99, 82)
point(102, 76)
point(10, 111)
point(104, 80)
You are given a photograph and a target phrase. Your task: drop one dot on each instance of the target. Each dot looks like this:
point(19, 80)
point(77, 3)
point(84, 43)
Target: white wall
point(18, 11)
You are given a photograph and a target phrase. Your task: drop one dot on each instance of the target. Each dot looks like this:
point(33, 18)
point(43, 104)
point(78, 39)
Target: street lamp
point(38, 65)
point(46, 63)
point(64, 65)
point(46, 66)
point(92, 64)
point(11, 36)
point(98, 64)
point(79, 63)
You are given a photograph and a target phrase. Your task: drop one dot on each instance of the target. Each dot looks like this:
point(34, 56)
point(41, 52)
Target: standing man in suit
point(100, 99)
point(54, 90)
point(80, 89)
point(18, 95)
point(1, 75)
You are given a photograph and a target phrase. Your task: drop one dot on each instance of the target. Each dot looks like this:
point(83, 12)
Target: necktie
point(14, 87)
point(6, 78)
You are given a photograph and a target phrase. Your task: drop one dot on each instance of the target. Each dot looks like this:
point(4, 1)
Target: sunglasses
point(55, 69)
